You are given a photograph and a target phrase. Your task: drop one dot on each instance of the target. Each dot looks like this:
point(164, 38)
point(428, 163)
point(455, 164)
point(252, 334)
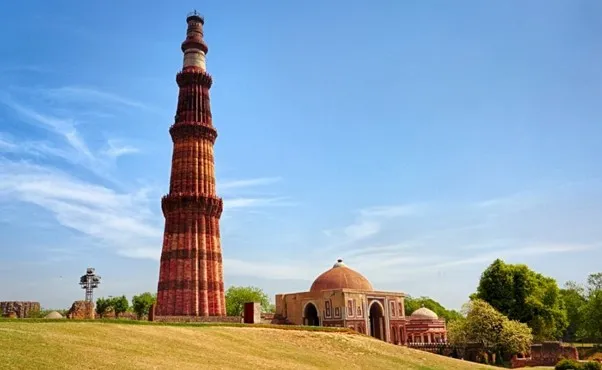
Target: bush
point(567, 364)
point(591, 365)
point(576, 365)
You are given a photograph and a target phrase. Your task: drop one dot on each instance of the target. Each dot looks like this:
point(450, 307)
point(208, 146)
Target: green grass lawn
point(62, 344)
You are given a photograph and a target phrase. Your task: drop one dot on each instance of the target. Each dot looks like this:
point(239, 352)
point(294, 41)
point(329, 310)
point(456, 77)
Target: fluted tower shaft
point(191, 274)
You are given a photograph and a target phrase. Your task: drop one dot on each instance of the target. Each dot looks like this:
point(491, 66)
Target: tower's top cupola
point(194, 47)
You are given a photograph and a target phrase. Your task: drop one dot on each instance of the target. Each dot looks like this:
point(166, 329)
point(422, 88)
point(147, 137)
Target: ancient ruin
point(191, 275)
point(81, 310)
point(342, 297)
point(18, 309)
point(545, 354)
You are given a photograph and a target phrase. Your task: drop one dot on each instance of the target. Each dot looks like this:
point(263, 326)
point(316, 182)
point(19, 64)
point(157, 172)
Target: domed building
point(342, 297)
point(425, 326)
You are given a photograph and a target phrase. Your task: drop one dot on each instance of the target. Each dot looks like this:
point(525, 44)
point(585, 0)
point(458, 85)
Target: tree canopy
point(237, 296)
point(526, 296)
point(412, 304)
point(485, 325)
point(117, 305)
point(142, 303)
point(584, 309)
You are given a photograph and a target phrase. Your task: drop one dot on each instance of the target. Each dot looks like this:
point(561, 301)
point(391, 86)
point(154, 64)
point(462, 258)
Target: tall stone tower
point(191, 274)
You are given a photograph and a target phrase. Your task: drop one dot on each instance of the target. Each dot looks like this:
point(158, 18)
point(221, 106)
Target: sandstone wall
point(18, 309)
point(545, 354)
point(81, 310)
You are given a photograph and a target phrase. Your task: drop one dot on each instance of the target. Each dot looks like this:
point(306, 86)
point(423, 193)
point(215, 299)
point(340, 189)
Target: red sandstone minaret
point(191, 275)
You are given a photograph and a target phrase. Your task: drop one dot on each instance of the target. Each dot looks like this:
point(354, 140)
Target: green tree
point(237, 296)
point(574, 298)
point(591, 312)
point(412, 304)
point(142, 303)
point(594, 282)
point(485, 325)
point(526, 296)
point(119, 305)
point(515, 337)
point(102, 306)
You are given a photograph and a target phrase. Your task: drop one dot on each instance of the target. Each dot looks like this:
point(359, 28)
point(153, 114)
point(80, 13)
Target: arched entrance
point(377, 321)
point(310, 315)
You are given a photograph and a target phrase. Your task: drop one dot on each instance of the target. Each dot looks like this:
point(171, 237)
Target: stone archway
point(310, 315)
point(377, 321)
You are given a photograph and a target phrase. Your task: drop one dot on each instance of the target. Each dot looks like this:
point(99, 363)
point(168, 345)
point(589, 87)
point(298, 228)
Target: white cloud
point(114, 220)
point(270, 270)
point(369, 223)
point(64, 127)
point(391, 211)
point(115, 149)
point(79, 93)
point(361, 230)
point(235, 184)
point(235, 203)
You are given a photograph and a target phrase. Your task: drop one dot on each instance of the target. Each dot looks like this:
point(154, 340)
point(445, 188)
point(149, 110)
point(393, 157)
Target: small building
point(342, 297)
point(424, 326)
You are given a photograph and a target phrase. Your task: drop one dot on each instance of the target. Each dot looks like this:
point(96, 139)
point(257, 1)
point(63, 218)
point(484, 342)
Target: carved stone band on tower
point(191, 274)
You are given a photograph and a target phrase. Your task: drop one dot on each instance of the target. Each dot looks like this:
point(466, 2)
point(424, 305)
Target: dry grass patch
point(80, 345)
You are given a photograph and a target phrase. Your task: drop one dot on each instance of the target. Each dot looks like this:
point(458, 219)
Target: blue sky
point(417, 140)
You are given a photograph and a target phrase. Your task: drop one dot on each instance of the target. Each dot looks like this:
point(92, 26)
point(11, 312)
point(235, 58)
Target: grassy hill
point(98, 345)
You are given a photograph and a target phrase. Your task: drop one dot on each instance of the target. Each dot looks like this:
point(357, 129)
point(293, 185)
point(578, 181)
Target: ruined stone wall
point(81, 310)
point(18, 309)
point(545, 354)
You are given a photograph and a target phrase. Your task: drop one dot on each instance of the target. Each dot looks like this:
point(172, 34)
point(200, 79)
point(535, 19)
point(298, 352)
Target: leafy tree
point(594, 282)
point(485, 325)
point(515, 337)
point(119, 305)
point(526, 296)
point(142, 303)
point(412, 304)
point(102, 306)
point(574, 298)
point(236, 297)
point(591, 311)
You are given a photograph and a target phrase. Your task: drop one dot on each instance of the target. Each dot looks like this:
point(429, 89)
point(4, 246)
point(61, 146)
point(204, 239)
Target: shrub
point(576, 365)
point(567, 364)
point(591, 365)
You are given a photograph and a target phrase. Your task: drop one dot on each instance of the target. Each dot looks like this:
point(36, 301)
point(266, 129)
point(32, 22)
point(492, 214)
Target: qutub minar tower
point(191, 275)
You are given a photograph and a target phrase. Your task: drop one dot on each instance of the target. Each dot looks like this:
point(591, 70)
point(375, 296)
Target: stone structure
point(342, 297)
point(252, 313)
point(18, 309)
point(81, 310)
point(426, 327)
point(545, 354)
point(191, 275)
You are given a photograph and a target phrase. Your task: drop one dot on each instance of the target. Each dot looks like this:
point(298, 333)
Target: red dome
point(341, 277)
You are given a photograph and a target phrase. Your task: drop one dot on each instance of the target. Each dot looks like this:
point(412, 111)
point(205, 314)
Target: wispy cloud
point(64, 127)
point(369, 223)
point(79, 93)
point(66, 141)
point(115, 149)
point(392, 211)
point(271, 270)
point(236, 184)
point(117, 221)
point(235, 203)
point(361, 230)
point(522, 251)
